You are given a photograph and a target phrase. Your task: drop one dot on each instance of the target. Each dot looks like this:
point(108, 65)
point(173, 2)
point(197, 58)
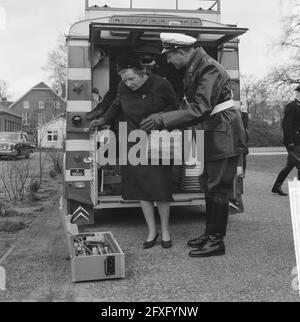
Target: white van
point(93, 45)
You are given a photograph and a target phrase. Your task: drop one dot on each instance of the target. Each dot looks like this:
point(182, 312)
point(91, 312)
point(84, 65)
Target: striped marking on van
point(237, 105)
point(79, 90)
point(79, 106)
point(76, 159)
point(79, 74)
point(235, 85)
point(78, 145)
point(79, 43)
point(80, 195)
point(234, 74)
point(79, 57)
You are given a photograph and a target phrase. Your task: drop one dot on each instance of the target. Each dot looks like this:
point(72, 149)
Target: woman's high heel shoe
point(151, 243)
point(167, 244)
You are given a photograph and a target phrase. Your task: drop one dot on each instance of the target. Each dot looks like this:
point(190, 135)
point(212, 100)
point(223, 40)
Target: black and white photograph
point(149, 154)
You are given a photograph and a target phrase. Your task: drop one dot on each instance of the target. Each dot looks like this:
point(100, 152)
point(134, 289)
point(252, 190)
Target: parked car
point(15, 144)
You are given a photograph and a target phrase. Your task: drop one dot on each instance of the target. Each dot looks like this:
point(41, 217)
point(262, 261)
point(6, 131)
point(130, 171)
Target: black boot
point(277, 189)
point(216, 231)
point(200, 241)
point(213, 247)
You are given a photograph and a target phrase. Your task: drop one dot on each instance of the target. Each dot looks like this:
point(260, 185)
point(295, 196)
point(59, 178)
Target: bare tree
point(289, 43)
point(56, 66)
point(3, 90)
point(288, 74)
point(254, 97)
point(290, 37)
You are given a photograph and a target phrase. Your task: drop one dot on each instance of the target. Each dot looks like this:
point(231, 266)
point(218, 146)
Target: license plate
point(77, 172)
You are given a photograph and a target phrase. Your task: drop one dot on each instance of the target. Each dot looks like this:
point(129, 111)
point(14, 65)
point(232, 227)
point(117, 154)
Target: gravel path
point(257, 267)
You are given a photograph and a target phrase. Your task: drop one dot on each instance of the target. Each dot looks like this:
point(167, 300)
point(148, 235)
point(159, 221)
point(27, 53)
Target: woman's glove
point(97, 124)
point(152, 122)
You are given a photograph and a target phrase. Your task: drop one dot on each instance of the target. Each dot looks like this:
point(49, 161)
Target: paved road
point(258, 265)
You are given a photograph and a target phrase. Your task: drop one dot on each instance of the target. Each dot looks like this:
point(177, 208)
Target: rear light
point(79, 185)
point(77, 120)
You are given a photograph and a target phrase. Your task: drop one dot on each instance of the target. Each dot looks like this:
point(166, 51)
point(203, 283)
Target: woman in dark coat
point(141, 95)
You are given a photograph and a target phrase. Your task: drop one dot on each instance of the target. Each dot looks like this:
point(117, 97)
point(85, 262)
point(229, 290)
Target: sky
point(29, 30)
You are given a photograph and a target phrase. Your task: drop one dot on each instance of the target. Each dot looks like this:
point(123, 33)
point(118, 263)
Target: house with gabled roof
point(52, 135)
point(38, 106)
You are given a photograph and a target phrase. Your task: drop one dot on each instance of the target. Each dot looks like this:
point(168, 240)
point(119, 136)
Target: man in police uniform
point(211, 108)
point(291, 134)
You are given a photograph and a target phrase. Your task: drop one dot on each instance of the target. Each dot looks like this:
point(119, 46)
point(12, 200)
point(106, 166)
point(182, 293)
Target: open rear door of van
point(133, 30)
point(128, 32)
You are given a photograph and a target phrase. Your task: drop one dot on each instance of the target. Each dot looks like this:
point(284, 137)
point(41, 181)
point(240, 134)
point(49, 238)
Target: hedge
point(262, 134)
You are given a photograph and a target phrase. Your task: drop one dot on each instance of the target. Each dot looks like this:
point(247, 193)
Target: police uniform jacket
point(206, 85)
point(291, 123)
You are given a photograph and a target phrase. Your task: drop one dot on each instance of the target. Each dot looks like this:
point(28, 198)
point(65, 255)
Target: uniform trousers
point(218, 178)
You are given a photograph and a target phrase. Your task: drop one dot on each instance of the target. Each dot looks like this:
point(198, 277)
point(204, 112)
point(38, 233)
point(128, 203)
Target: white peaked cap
point(173, 41)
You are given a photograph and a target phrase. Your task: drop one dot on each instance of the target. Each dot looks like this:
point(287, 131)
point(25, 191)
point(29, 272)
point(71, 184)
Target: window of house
point(41, 105)
point(52, 136)
point(41, 119)
point(26, 105)
point(26, 118)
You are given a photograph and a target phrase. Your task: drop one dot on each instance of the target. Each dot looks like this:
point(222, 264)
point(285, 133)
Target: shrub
point(15, 178)
point(56, 158)
point(262, 134)
point(5, 211)
point(33, 189)
point(34, 186)
point(52, 173)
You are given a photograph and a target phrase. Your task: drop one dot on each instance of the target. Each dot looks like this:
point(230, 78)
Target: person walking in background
point(291, 140)
point(210, 107)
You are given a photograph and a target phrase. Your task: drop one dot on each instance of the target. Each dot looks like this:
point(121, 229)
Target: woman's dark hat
point(297, 89)
point(148, 53)
point(130, 60)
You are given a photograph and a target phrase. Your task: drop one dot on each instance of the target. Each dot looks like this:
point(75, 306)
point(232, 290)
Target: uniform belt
point(222, 107)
